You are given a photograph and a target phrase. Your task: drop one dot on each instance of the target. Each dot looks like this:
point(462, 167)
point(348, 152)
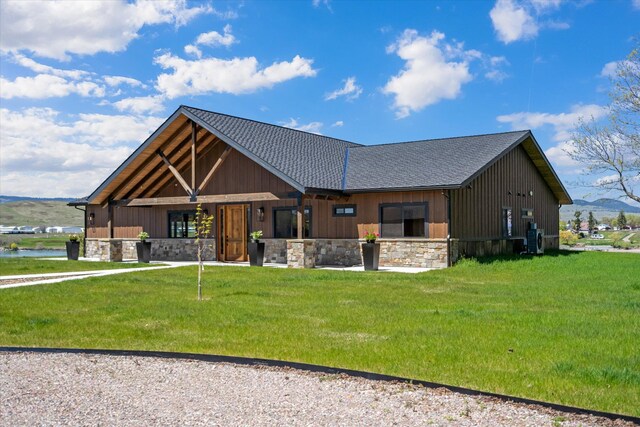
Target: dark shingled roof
point(439, 163)
point(312, 161)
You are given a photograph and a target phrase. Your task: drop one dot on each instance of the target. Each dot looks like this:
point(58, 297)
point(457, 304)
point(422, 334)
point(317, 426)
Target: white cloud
point(214, 38)
point(610, 68)
point(350, 90)
point(235, 76)
point(338, 124)
point(193, 50)
point(47, 86)
point(39, 147)
point(512, 22)
point(326, 3)
point(54, 29)
point(559, 156)
point(429, 74)
point(141, 104)
point(115, 81)
point(45, 69)
point(313, 127)
point(562, 123)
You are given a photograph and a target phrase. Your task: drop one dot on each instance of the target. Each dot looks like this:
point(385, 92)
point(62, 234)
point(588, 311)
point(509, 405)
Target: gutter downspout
point(84, 234)
point(447, 196)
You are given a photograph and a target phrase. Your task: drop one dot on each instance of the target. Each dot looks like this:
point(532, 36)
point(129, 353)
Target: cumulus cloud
point(338, 124)
point(350, 90)
point(141, 104)
point(47, 86)
point(214, 38)
point(76, 153)
point(512, 21)
point(235, 76)
point(193, 50)
point(115, 81)
point(515, 20)
point(562, 123)
point(313, 127)
point(560, 156)
point(57, 29)
point(430, 73)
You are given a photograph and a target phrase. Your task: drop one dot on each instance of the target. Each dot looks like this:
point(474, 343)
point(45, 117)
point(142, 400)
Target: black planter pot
point(73, 250)
point(256, 253)
point(144, 251)
point(370, 255)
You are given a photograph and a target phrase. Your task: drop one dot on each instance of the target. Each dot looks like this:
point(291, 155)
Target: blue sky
point(82, 84)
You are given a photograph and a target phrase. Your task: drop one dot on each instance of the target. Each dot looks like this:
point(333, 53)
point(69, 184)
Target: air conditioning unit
point(535, 241)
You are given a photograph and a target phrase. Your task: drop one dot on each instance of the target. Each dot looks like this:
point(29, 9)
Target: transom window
point(285, 223)
point(344, 210)
point(182, 224)
point(404, 220)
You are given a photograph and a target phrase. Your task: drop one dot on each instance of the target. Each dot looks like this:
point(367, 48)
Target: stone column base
point(301, 253)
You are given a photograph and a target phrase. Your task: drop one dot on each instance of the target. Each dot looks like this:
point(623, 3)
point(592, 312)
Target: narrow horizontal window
point(344, 210)
point(527, 213)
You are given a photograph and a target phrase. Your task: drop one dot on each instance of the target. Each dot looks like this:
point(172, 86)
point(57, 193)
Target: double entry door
point(232, 232)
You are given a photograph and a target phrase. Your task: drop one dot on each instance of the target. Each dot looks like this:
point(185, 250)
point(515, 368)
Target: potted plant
point(256, 249)
point(370, 251)
point(143, 248)
point(73, 247)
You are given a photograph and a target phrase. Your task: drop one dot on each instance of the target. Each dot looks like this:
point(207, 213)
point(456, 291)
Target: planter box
point(256, 254)
point(73, 250)
point(370, 255)
point(144, 251)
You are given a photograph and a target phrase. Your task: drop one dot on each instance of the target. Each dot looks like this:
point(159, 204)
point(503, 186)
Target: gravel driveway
point(77, 389)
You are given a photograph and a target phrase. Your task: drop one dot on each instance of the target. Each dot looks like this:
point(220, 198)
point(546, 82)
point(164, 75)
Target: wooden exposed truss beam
point(213, 170)
point(175, 173)
point(221, 198)
point(194, 131)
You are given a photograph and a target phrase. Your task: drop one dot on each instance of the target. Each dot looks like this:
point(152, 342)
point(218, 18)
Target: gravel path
point(75, 389)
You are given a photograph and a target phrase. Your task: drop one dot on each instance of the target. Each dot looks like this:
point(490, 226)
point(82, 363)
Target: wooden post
point(194, 131)
point(300, 216)
point(110, 220)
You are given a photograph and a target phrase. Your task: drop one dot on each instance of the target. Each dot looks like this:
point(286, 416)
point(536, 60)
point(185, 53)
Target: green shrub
point(568, 238)
point(621, 244)
point(13, 246)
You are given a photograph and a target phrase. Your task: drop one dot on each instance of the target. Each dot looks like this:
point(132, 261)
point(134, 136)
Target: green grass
point(35, 241)
point(563, 328)
point(24, 265)
point(40, 212)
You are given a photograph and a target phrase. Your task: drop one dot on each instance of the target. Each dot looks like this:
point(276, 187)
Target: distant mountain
point(40, 212)
point(600, 208)
point(8, 199)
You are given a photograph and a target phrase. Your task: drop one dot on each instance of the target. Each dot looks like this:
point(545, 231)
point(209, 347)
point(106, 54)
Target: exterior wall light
point(260, 212)
point(92, 218)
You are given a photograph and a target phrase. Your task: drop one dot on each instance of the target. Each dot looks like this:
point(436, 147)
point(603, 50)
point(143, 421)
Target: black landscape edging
point(322, 369)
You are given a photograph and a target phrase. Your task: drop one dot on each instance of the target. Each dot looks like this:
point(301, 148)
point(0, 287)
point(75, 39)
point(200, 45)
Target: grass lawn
point(35, 241)
point(24, 265)
point(562, 328)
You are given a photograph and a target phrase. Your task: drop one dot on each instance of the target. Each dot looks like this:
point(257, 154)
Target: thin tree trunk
point(199, 275)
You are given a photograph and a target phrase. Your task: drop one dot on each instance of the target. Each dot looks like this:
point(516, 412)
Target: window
point(527, 213)
point(404, 220)
point(182, 224)
point(285, 223)
point(344, 210)
point(507, 227)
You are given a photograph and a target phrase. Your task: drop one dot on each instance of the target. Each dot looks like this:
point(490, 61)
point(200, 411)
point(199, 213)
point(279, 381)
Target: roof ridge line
point(271, 124)
point(441, 139)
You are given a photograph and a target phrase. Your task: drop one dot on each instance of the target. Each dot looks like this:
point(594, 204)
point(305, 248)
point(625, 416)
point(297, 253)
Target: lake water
point(32, 253)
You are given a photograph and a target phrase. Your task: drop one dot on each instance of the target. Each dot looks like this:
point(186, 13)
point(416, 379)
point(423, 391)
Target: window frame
point(524, 213)
point(425, 205)
point(506, 231)
point(292, 209)
point(183, 213)
point(334, 209)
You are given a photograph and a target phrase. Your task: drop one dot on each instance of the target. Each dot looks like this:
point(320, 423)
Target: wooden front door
point(234, 233)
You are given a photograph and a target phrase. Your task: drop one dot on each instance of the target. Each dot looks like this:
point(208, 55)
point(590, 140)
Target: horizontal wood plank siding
point(477, 211)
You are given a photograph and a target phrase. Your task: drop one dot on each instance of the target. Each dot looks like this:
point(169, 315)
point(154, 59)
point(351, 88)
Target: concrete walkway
point(46, 278)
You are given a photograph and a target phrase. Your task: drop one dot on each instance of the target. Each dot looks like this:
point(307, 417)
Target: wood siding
point(477, 211)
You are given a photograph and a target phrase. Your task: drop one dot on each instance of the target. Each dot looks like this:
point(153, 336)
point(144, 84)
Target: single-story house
point(314, 196)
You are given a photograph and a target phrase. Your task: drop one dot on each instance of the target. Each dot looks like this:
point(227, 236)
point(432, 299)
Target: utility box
point(535, 241)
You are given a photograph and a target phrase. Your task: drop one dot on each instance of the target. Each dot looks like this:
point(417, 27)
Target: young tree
point(203, 231)
point(592, 222)
point(622, 220)
point(614, 149)
point(577, 221)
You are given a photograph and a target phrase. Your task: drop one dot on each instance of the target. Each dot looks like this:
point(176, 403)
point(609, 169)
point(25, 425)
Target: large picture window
point(404, 220)
point(285, 223)
point(182, 224)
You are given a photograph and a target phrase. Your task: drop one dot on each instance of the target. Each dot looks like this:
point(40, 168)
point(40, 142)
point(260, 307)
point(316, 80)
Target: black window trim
point(401, 205)
point(289, 208)
point(505, 231)
point(182, 212)
point(335, 207)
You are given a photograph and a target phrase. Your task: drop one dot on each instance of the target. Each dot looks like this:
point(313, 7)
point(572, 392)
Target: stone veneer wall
point(161, 249)
point(275, 250)
point(423, 253)
point(301, 253)
point(345, 252)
